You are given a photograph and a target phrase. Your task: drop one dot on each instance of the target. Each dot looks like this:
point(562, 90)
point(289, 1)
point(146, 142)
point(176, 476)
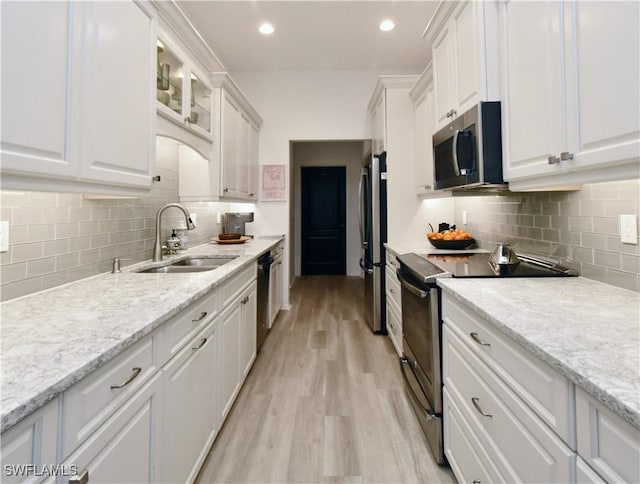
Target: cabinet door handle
point(225, 190)
point(81, 478)
point(475, 401)
point(134, 374)
point(477, 339)
point(203, 341)
point(553, 160)
point(565, 155)
point(203, 315)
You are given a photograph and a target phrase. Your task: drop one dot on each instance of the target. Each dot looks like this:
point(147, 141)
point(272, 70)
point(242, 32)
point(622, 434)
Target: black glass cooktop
point(478, 265)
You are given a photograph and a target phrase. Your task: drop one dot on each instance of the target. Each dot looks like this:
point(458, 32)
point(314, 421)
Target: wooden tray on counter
point(241, 240)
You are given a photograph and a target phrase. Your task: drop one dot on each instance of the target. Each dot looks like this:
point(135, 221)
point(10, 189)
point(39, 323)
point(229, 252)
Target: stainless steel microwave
point(467, 153)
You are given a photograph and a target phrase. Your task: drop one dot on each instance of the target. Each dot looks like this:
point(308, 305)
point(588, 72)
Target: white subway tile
point(37, 233)
point(25, 252)
point(67, 261)
point(55, 279)
point(13, 272)
point(66, 230)
point(77, 244)
point(56, 247)
point(39, 267)
point(26, 216)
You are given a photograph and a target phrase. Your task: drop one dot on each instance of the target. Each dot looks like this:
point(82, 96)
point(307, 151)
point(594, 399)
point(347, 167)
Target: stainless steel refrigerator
point(373, 235)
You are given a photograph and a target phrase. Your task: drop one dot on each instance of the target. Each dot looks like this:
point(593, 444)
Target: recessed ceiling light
point(266, 28)
point(386, 25)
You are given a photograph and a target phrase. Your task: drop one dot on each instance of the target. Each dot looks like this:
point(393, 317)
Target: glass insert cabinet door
point(182, 95)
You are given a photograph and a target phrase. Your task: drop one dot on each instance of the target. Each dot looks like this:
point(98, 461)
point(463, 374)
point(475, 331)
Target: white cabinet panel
point(585, 474)
point(533, 110)
point(442, 76)
point(189, 390)
point(229, 158)
point(36, 79)
point(32, 441)
point(123, 449)
point(466, 57)
point(607, 443)
point(231, 321)
point(247, 351)
point(118, 109)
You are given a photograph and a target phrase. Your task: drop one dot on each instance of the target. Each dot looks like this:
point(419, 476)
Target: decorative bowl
point(452, 244)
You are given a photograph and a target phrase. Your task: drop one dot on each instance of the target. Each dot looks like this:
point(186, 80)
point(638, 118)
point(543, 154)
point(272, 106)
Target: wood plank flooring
point(324, 402)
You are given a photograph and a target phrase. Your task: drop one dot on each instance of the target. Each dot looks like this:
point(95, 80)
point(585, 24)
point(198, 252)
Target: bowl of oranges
point(454, 239)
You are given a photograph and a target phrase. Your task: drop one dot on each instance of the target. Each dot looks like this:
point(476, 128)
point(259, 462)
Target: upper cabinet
point(378, 122)
point(570, 98)
point(77, 103)
point(463, 40)
point(183, 95)
point(237, 127)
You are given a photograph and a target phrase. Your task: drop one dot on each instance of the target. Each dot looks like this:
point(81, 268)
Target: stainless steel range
point(420, 363)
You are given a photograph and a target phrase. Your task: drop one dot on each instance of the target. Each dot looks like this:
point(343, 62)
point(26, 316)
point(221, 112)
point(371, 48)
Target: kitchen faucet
point(157, 247)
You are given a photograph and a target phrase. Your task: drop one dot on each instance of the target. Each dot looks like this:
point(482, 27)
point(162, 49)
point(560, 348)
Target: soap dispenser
point(173, 243)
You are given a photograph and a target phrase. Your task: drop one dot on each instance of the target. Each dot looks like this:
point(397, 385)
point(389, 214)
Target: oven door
point(421, 336)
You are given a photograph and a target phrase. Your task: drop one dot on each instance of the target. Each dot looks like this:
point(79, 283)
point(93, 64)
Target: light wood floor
point(324, 402)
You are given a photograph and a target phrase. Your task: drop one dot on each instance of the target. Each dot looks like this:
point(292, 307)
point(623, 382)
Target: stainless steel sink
point(196, 264)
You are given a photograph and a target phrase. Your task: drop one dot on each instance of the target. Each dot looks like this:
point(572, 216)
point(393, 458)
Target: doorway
point(323, 220)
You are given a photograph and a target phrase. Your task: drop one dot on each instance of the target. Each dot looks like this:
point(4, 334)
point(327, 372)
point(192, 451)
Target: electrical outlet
point(218, 218)
point(4, 236)
point(628, 229)
point(464, 217)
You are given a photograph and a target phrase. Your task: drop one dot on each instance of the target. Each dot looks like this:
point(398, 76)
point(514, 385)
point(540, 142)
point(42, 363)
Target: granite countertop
point(586, 330)
point(51, 339)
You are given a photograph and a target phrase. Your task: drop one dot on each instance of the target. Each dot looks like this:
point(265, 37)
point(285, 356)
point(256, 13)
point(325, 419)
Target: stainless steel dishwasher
point(264, 268)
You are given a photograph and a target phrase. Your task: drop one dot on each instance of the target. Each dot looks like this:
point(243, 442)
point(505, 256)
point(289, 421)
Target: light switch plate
point(4, 236)
point(629, 229)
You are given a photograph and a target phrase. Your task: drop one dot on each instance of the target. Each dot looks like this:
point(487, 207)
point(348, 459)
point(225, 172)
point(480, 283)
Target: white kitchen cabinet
point(585, 474)
point(238, 322)
point(183, 95)
point(519, 412)
point(392, 116)
point(378, 124)
point(521, 446)
point(465, 58)
point(570, 103)
point(236, 126)
point(33, 441)
point(394, 302)
point(78, 102)
point(124, 448)
point(189, 392)
point(276, 276)
point(607, 443)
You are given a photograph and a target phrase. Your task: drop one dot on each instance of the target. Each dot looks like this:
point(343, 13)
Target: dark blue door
point(324, 241)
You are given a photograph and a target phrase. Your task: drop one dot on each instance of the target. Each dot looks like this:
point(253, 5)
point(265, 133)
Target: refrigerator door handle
point(363, 266)
point(364, 242)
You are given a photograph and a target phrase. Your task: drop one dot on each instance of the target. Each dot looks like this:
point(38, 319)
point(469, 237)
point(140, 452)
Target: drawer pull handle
point(134, 374)
point(476, 481)
point(203, 315)
point(475, 401)
point(477, 339)
point(203, 341)
point(80, 478)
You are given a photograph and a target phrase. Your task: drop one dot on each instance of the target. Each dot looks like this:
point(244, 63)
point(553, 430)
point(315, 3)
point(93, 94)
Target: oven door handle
point(430, 414)
point(410, 287)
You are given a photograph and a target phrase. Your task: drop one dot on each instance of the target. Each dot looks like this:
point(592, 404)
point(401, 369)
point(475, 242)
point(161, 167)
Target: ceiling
point(330, 34)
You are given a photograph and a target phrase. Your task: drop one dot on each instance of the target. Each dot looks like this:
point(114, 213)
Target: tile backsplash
point(581, 227)
point(57, 238)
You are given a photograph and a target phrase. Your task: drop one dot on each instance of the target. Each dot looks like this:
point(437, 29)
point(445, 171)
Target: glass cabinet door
point(200, 114)
point(169, 79)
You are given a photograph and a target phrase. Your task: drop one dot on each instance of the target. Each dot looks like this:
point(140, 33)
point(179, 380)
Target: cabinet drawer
point(393, 286)
point(522, 447)
point(88, 403)
point(394, 325)
point(464, 451)
point(549, 394)
point(235, 286)
point(180, 329)
point(606, 442)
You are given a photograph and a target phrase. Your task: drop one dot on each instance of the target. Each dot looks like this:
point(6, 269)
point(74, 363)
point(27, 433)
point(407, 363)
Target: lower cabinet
point(152, 412)
point(510, 417)
point(238, 349)
point(189, 388)
point(124, 448)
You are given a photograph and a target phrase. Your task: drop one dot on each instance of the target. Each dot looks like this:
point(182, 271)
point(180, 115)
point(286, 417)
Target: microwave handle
point(456, 165)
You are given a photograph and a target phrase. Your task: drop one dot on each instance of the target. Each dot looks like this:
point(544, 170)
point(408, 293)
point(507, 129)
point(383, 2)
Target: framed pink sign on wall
point(273, 183)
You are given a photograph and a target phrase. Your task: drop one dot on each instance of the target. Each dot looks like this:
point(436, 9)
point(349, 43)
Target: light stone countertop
point(586, 330)
point(51, 339)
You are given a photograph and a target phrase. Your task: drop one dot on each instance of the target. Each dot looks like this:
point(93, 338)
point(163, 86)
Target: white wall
point(304, 106)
